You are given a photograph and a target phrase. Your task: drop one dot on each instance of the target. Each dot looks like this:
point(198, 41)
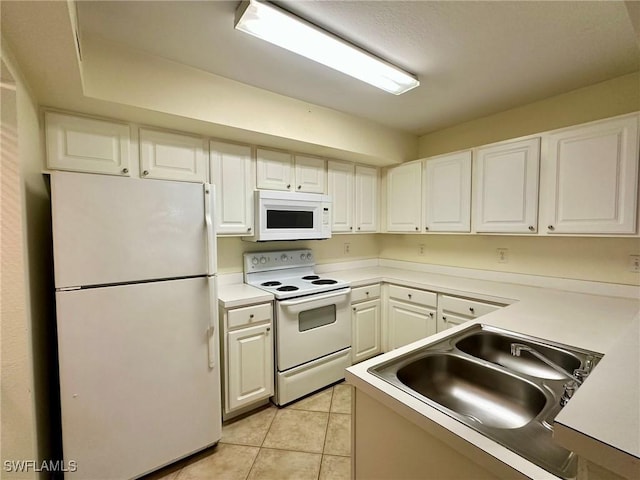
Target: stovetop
point(287, 274)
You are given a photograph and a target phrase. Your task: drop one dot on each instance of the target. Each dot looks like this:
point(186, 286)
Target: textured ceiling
point(473, 58)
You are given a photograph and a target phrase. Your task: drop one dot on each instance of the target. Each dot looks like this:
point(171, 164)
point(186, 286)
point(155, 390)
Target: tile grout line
point(262, 443)
point(326, 430)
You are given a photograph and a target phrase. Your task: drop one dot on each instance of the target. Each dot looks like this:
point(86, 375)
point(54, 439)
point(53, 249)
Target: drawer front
point(368, 292)
point(463, 306)
point(239, 317)
point(412, 295)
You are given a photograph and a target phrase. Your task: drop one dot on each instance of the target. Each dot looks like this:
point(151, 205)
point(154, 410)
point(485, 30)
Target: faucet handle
point(569, 389)
point(581, 373)
point(588, 363)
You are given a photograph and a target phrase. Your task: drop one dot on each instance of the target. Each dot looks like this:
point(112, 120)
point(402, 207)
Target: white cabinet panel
point(366, 199)
point(232, 173)
point(506, 198)
point(447, 193)
point(249, 366)
point(340, 189)
point(274, 170)
point(592, 178)
point(310, 174)
point(408, 322)
point(86, 145)
point(453, 311)
point(404, 202)
point(169, 156)
point(366, 330)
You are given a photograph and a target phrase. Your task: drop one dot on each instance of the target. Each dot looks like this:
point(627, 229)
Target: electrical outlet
point(347, 248)
point(634, 263)
point(503, 255)
point(421, 249)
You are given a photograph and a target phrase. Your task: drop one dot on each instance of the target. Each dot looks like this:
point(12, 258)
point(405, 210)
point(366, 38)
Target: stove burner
point(270, 284)
point(287, 288)
point(311, 277)
point(324, 281)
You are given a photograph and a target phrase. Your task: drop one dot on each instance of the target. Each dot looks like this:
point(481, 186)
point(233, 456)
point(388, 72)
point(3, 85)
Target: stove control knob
point(302, 256)
point(263, 260)
point(308, 256)
point(255, 261)
point(284, 257)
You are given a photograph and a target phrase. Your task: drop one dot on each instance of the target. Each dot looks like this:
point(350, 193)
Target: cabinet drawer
point(412, 295)
point(463, 306)
point(368, 292)
point(239, 317)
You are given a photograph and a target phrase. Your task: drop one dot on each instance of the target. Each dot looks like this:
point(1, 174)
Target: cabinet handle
point(350, 228)
point(409, 295)
point(444, 318)
point(531, 228)
point(354, 309)
point(366, 293)
point(551, 227)
point(251, 315)
point(471, 310)
point(299, 187)
point(125, 170)
point(145, 172)
point(268, 329)
point(426, 228)
point(417, 229)
point(249, 229)
point(431, 314)
point(358, 228)
point(288, 186)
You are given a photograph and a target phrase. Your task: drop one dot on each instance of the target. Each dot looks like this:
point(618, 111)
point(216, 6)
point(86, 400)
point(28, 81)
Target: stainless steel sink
point(472, 377)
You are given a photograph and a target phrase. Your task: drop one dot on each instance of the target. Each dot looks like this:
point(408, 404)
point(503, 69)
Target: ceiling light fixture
point(285, 30)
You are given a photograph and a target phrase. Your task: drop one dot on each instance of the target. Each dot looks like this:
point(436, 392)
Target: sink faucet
point(578, 375)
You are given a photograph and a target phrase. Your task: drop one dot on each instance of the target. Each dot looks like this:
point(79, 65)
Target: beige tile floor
point(309, 439)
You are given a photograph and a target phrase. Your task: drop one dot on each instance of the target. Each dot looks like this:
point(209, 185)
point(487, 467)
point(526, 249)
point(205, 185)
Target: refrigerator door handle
point(209, 196)
point(213, 320)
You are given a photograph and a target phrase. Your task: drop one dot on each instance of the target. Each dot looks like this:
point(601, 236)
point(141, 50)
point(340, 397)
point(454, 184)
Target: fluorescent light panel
point(280, 28)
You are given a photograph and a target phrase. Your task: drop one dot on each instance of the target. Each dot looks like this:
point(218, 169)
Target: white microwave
point(290, 216)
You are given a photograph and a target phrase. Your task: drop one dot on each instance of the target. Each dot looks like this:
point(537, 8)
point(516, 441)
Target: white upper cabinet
point(86, 145)
point(366, 199)
point(506, 187)
point(274, 170)
point(404, 202)
point(310, 174)
point(340, 188)
point(170, 156)
point(233, 174)
point(447, 193)
point(591, 178)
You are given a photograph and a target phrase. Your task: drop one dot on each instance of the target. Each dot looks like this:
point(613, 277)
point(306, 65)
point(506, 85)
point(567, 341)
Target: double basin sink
point(476, 377)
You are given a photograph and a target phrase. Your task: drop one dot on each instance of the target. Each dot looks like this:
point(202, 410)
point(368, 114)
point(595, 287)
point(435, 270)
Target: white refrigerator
point(136, 306)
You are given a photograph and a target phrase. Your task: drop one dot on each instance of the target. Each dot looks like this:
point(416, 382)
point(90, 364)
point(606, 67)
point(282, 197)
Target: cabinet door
point(366, 199)
point(366, 330)
point(340, 188)
point(169, 156)
point(232, 173)
point(506, 198)
point(85, 145)
point(408, 322)
point(404, 197)
point(310, 174)
point(274, 170)
point(249, 366)
point(447, 193)
point(592, 178)
point(450, 320)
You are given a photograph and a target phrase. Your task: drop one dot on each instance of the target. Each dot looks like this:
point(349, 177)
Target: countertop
point(603, 416)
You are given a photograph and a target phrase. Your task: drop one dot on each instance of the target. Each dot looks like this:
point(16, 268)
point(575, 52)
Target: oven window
point(310, 319)
point(289, 219)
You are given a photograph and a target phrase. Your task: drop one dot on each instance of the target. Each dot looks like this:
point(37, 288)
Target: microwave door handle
point(290, 303)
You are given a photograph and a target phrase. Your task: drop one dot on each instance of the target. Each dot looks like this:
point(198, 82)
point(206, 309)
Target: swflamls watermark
point(21, 466)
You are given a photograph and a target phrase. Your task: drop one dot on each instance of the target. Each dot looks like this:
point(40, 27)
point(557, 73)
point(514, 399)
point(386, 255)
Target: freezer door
point(112, 230)
point(137, 390)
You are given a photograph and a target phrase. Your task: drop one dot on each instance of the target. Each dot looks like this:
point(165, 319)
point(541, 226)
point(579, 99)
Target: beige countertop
point(603, 416)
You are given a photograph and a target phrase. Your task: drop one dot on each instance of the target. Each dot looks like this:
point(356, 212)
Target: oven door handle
point(308, 298)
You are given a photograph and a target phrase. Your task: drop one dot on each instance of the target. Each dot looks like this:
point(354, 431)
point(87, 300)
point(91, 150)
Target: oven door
point(311, 327)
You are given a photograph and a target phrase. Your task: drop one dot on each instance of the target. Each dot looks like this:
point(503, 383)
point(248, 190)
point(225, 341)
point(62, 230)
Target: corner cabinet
point(506, 187)
point(404, 197)
point(248, 357)
point(87, 145)
point(591, 178)
point(366, 322)
point(453, 311)
point(233, 174)
point(447, 193)
point(411, 315)
point(170, 156)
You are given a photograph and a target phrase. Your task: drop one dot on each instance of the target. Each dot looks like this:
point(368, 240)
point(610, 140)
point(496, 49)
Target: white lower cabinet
point(248, 357)
point(453, 311)
point(411, 315)
point(366, 322)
